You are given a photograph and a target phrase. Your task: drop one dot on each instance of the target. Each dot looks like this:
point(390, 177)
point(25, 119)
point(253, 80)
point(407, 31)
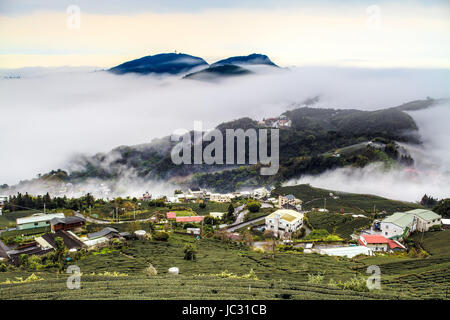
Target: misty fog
point(49, 114)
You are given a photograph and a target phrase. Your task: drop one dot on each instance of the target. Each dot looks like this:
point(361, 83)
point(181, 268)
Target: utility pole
point(135, 212)
point(324, 203)
point(44, 207)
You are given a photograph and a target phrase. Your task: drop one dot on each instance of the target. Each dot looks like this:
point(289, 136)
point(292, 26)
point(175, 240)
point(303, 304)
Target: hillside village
point(262, 220)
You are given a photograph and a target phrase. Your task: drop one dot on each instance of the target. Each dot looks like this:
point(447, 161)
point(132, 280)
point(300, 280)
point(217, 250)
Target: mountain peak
point(252, 59)
point(169, 63)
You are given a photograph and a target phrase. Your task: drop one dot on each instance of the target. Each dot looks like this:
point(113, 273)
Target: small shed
point(445, 223)
point(107, 232)
point(193, 230)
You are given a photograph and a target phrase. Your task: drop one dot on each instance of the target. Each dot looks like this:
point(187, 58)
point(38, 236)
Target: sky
point(413, 34)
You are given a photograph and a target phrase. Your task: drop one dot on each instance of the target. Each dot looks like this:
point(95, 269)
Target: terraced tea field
point(221, 272)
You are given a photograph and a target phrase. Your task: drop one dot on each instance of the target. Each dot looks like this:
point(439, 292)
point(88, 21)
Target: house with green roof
point(401, 224)
point(425, 219)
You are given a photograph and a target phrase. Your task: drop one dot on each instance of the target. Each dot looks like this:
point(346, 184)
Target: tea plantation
point(227, 271)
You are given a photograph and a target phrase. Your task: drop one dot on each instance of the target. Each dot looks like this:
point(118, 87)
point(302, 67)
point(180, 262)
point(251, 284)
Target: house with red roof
point(171, 215)
point(189, 219)
point(380, 243)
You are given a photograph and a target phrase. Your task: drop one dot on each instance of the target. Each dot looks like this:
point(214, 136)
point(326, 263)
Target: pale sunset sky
point(412, 34)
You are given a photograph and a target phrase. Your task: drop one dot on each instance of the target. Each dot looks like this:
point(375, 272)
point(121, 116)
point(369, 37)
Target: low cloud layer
point(48, 115)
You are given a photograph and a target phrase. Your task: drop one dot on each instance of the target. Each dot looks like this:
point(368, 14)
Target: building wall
point(73, 226)
point(390, 230)
point(286, 226)
point(32, 225)
point(423, 225)
point(220, 198)
point(378, 246)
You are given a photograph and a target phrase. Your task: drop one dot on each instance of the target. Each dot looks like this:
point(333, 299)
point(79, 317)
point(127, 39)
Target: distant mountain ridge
point(179, 63)
point(311, 145)
point(252, 59)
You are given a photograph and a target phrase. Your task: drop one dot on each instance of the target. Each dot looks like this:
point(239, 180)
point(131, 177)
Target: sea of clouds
point(48, 115)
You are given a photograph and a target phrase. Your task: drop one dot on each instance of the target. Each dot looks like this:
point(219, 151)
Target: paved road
point(238, 214)
point(240, 217)
point(235, 227)
point(3, 250)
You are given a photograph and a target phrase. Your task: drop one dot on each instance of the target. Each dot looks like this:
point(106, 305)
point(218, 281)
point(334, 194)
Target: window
point(36, 223)
point(386, 233)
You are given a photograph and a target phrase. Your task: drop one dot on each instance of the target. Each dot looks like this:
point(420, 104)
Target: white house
point(37, 220)
point(3, 199)
point(197, 193)
point(425, 219)
point(193, 230)
point(284, 221)
point(173, 200)
point(219, 197)
point(260, 193)
point(403, 223)
point(288, 199)
point(245, 194)
point(218, 215)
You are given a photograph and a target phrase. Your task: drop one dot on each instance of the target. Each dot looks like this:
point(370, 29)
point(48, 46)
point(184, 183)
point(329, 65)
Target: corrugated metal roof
point(405, 219)
point(67, 220)
point(39, 218)
point(401, 219)
point(102, 233)
point(426, 215)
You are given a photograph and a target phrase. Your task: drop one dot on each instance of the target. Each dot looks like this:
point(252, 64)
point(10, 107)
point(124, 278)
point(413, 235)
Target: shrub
point(315, 279)
point(300, 233)
point(151, 270)
point(160, 236)
point(317, 234)
point(288, 248)
point(24, 261)
point(253, 206)
point(355, 284)
point(190, 252)
point(435, 228)
point(3, 267)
